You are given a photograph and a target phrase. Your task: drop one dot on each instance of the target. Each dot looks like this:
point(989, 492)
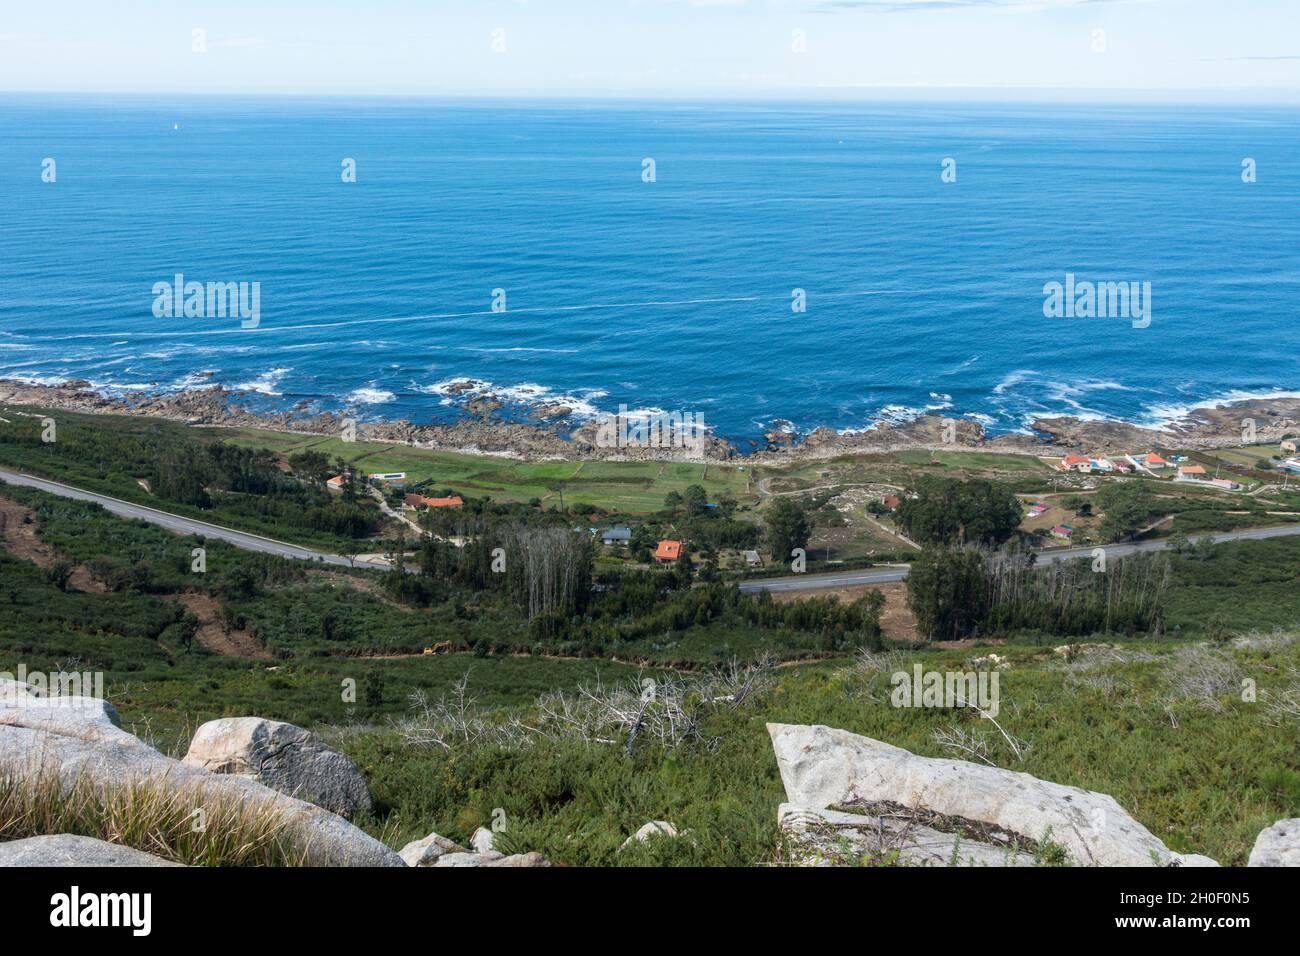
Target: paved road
point(802, 582)
point(839, 579)
point(180, 525)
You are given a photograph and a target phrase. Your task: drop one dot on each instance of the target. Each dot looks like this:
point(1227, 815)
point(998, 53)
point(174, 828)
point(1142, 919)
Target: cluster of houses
point(1062, 531)
point(666, 552)
point(397, 480)
point(1151, 463)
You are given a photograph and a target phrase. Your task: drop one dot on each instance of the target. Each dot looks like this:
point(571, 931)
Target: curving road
point(181, 525)
point(839, 579)
point(801, 582)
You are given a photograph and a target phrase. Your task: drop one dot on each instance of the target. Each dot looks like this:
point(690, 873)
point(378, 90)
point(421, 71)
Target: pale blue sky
point(1182, 49)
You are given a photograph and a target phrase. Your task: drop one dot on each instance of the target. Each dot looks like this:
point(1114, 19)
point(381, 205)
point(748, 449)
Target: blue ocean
point(520, 246)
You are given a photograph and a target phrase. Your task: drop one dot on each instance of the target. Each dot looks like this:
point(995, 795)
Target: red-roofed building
point(337, 482)
point(1192, 472)
point(1155, 461)
point(419, 501)
point(890, 501)
point(668, 551)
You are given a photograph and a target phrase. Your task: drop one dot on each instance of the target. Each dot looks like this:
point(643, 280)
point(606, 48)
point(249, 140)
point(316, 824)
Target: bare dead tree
point(667, 711)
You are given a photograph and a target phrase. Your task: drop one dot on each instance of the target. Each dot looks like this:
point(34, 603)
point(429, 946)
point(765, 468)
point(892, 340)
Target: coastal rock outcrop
point(74, 741)
point(1007, 811)
point(66, 849)
point(282, 757)
point(1278, 845)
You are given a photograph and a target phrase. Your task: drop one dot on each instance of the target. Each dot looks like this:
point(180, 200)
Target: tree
point(949, 511)
point(58, 574)
point(787, 528)
point(548, 569)
point(697, 501)
point(673, 503)
point(313, 466)
point(947, 590)
point(1127, 508)
point(1080, 505)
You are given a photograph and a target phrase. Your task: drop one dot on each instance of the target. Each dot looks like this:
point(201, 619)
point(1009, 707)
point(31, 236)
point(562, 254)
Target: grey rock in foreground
point(428, 851)
point(66, 849)
point(492, 858)
point(435, 850)
point(77, 743)
point(1278, 845)
point(834, 838)
point(282, 757)
point(88, 718)
point(11, 689)
point(823, 767)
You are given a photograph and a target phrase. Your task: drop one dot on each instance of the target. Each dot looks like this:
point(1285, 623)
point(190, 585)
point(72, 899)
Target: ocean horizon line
point(1134, 98)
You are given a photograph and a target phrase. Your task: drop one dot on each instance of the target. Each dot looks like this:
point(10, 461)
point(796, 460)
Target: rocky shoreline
point(549, 436)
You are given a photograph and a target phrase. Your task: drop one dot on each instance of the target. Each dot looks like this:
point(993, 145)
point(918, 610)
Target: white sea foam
point(462, 388)
point(1162, 417)
point(266, 383)
point(111, 387)
point(192, 380)
point(46, 380)
point(1012, 379)
point(370, 396)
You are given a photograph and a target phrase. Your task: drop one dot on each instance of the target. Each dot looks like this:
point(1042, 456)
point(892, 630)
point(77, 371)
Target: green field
point(625, 487)
point(1246, 456)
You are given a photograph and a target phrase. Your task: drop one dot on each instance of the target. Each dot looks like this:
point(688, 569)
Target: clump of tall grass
point(191, 825)
point(1282, 704)
point(1202, 675)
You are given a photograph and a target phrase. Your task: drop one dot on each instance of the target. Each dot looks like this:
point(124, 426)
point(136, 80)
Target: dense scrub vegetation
point(1225, 588)
point(1133, 724)
point(224, 483)
point(953, 512)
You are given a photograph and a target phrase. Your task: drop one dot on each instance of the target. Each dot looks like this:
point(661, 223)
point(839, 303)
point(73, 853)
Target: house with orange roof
point(337, 482)
point(668, 551)
point(420, 501)
point(1075, 463)
point(1191, 473)
point(1152, 460)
